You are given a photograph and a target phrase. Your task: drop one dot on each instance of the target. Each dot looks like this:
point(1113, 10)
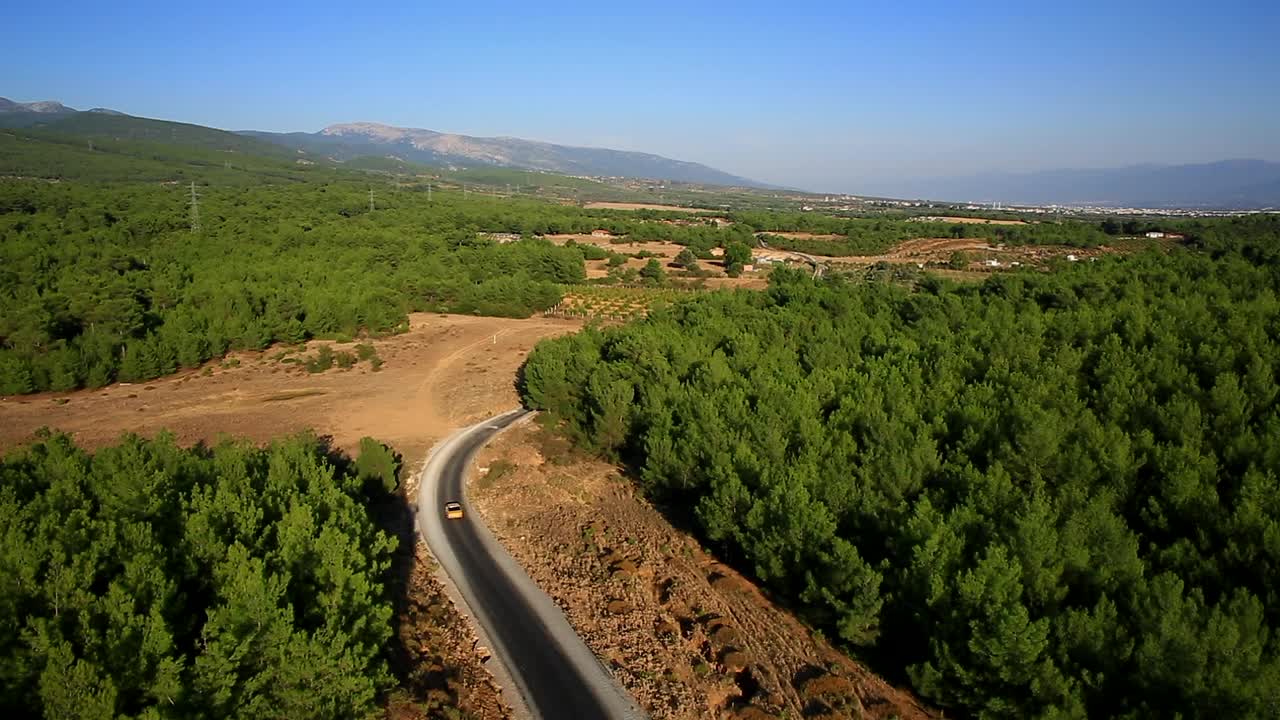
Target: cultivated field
point(609, 302)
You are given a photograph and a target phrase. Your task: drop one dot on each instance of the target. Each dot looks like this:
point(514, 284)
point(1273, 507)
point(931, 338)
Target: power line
point(195, 209)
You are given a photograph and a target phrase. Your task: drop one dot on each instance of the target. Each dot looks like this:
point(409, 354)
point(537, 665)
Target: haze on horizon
point(840, 97)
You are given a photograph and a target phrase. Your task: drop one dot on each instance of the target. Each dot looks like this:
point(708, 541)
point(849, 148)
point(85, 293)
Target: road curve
point(554, 672)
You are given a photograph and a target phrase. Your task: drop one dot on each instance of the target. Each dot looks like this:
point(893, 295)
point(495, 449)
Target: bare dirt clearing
point(686, 635)
point(446, 372)
point(644, 206)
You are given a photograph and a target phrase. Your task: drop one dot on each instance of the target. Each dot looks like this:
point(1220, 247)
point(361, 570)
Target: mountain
point(44, 107)
point(19, 114)
point(351, 140)
point(1234, 184)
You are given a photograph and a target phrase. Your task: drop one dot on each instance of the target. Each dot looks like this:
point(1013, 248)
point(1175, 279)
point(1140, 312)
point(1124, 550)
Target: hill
point(23, 114)
point(347, 141)
point(118, 126)
point(106, 148)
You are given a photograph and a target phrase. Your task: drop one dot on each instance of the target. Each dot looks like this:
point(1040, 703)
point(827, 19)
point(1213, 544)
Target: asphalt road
point(554, 672)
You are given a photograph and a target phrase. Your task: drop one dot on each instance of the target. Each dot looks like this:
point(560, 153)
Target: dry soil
point(688, 636)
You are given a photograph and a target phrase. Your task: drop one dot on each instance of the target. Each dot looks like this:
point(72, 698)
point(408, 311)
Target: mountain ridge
point(44, 107)
point(1237, 184)
point(344, 141)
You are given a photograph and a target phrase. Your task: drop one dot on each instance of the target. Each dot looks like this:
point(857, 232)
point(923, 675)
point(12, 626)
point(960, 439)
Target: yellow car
point(453, 510)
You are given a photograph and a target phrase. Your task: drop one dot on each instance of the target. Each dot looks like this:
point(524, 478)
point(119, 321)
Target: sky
point(830, 96)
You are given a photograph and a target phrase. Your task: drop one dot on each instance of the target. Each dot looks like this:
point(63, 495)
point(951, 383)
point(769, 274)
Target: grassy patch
point(322, 361)
point(498, 469)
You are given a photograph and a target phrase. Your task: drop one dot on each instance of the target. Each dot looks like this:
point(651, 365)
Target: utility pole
point(195, 209)
point(370, 199)
point(428, 192)
point(90, 146)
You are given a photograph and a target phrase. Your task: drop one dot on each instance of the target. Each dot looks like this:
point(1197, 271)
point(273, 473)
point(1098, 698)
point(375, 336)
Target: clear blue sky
point(829, 96)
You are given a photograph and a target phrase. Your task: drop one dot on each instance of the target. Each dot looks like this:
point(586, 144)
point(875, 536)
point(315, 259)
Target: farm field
point(613, 303)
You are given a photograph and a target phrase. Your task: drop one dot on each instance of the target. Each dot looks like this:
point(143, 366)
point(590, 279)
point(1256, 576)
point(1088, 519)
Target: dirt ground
point(687, 636)
point(643, 206)
point(446, 372)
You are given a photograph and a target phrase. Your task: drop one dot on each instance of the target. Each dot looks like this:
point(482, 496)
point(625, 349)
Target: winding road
point(553, 671)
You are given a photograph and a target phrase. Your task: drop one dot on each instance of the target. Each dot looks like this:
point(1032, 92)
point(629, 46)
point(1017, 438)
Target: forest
point(1045, 495)
point(104, 283)
point(152, 581)
point(103, 280)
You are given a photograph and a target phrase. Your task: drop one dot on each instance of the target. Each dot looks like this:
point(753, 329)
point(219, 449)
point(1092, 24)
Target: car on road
point(453, 510)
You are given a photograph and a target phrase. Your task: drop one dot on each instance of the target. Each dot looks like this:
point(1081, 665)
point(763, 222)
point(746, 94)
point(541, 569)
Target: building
point(760, 258)
point(601, 234)
point(1154, 234)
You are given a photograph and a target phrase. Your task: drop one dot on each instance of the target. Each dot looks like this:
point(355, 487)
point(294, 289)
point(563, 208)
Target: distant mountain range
point(1237, 184)
point(351, 140)
point(19, 114)
point(1234, 184)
